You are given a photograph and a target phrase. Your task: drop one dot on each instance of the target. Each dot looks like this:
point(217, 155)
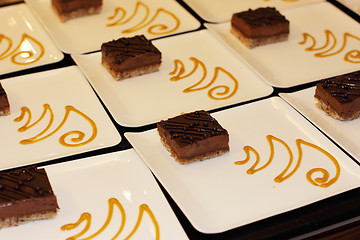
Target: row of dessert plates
point(281, 121)
point(275, 63)
point(211, 204)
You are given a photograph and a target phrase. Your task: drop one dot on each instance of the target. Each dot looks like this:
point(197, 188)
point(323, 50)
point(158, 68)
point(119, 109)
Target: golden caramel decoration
point(76, 141)
point(225, 94)
point(328, 48)
point(323, 181)
point(25, 50)
point(120, 14)
point(112, 202)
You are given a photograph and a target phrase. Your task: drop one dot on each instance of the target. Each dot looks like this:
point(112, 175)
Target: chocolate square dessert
point(130, 57)
point(260, 26)
point(193, 137)
point(4, 102)
point(25, 195)
point(339, 96)
point(69, 9)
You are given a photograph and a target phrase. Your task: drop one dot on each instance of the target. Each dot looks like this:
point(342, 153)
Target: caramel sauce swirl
point(323, 181)
point(25, 52)
point(76, 141)
point(112, 202)
point(328, 48)
point(156, 29)
point(214, 92)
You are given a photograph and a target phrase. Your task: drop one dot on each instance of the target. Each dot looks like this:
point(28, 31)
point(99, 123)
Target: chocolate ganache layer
point(65, 7)
point(193, 136)
point(25, 194)
point(130, 53)
point(340, 96)
point(261, 22)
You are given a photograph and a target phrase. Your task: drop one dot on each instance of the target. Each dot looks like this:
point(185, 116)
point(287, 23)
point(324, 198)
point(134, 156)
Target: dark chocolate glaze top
point(23, 184)
point(191, 127)
point(125, 48)
point(262, 16)
point(346, 88)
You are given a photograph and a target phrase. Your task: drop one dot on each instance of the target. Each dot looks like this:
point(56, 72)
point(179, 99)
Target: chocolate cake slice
point(130, 57)
point(25, 195)
point(69, 9)
point(339, 96)
point(4, 102)
point(193, 137)
point(260, 26)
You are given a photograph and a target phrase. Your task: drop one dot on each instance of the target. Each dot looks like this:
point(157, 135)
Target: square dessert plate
point(86, 185)
point(153, 18)
point(221, 11)
point(23, 41)
point(354, 5)
point(332, 41)
point(151, 97)
point(342, 132)
point(217, 195)
point(61, 116)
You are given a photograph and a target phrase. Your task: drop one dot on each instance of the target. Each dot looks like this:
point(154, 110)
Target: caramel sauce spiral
point(157, 29)
point(24, 53)
point(76, 141)
point(323, 181)
point(112, 202)
point(214, 92)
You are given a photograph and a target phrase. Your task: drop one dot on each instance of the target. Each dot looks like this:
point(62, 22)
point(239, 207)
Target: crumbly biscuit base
point(5, 111)
point(130, 73)
point(332, 113)
point(198, 158)
point(78, 13)
point(255, 42)
point(15, 221)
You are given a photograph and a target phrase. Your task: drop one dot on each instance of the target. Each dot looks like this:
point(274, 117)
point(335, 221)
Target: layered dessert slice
point(25, 195)
point(130, 57)
point(339, 96)
point(260, 26)
point(194, 136)
point(69, 9)
point(4, 102)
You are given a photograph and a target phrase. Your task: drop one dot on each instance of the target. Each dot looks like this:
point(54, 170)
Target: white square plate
point(57, 88)
point(287, 64)
point(354, 5)
point(23, 42)
point(86, 185)
point(149, 98)
point(86, 34)
point(221, 11)
point(217, 195)
point(342, 132)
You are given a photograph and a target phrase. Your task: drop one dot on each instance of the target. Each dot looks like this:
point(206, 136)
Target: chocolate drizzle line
point(193, 127)
point(21, 184)
point(129, 47)
point(262, 16)
point(343, 87)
